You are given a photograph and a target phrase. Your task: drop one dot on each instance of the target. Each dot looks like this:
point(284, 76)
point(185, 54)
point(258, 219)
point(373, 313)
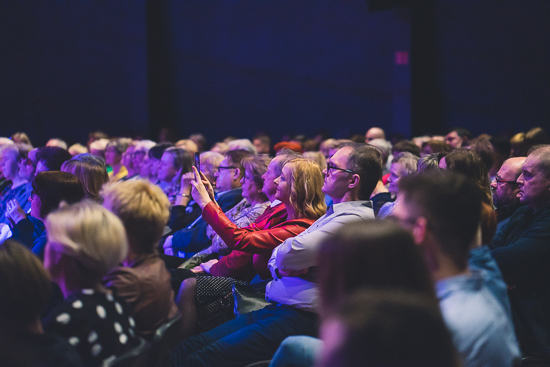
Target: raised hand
point(199, 191)
point(14, 212)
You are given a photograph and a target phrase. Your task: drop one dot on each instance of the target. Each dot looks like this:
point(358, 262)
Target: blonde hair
point(90, 235)
point(306, 196)
point(143, 208)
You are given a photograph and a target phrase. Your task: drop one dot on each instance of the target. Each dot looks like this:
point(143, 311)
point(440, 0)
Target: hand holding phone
point(197, 161)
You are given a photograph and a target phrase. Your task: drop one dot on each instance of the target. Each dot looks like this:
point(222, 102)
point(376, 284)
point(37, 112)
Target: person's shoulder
point(356, 209)
point(120, 275)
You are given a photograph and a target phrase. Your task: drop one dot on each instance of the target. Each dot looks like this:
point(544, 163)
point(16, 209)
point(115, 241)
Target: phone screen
point(197, 162)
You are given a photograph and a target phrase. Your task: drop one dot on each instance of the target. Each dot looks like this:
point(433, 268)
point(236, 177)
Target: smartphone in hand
point(197, 162)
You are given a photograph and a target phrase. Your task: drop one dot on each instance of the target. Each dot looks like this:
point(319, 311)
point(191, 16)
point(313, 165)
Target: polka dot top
point(97, 324)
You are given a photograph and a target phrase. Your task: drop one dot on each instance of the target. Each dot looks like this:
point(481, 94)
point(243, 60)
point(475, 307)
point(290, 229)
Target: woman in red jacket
point(299, 188)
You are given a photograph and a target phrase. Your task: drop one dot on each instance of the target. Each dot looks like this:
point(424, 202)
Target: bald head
point(374, 133)
point(513, 166)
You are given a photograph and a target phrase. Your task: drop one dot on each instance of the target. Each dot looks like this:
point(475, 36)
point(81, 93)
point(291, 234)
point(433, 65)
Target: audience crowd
point(308, 252)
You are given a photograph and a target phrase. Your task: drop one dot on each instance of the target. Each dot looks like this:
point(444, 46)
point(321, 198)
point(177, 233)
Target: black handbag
point(250, 297)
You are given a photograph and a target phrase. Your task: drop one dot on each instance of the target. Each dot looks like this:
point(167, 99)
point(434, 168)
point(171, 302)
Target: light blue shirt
point(482, 331)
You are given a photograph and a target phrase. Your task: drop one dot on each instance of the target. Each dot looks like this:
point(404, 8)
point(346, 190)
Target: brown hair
point(470, 164)
point(24, 285)
point(92, 172)
point(257, 165)
point(375, 254)
point(53, 187)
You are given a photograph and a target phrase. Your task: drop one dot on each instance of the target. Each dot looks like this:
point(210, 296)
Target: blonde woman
point(142, 279)
point(85, 241)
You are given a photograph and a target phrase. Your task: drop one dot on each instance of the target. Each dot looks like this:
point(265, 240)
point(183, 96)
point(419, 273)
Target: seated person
point(20, 188)
point(443, 211)
point(520, 248)
point(48, 190)
point(25, 291)
point(86, 241)
point(51, 158)
point(113, 157)
point(193, 238)
point(243, 214)
point(92, 172)
point(403, 164)
point(142, 279)
point(185, 210)
point(174, 163)
point(387, 328)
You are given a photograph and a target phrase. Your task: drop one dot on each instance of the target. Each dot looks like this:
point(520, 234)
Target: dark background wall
point(494, 59)
point(286, 67)
point(69, 67)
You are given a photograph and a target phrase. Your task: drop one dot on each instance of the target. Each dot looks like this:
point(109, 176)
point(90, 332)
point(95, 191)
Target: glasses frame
point(227, 167)
point(330, 166)
point(498, 180)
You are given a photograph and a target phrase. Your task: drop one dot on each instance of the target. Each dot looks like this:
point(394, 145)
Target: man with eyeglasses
point(192, 239)
point(442, 211)
point(505, 189)
point(521, 249)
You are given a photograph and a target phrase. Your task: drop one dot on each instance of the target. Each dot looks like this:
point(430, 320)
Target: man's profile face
point(504, 187)
point(453, 139)
point(337, 181)
point(224, 176)
point(534, 186)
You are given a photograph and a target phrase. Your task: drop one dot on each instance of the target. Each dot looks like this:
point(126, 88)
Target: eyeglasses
point(139, 152)
point(227, 167)
point(499, 180)
point(330, 166)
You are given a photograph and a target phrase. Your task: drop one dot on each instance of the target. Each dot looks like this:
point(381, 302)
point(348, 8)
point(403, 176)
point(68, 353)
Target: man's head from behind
point(534, 181)
point(504, 186)
point(374, 133)
point(440, 208)
point(142, 207)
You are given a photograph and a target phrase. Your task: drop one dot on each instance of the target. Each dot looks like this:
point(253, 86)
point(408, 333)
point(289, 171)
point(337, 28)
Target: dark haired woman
point(49, 189)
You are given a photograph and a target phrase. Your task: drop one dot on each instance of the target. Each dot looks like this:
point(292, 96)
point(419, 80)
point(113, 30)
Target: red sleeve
point(247, 239)
point(236, 265)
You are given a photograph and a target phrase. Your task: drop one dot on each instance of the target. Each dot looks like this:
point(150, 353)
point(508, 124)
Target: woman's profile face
point(36, 204)
point(395, 176)
point(250, 189)
point(145, 169)
point(283, 185)
point(166, 169)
